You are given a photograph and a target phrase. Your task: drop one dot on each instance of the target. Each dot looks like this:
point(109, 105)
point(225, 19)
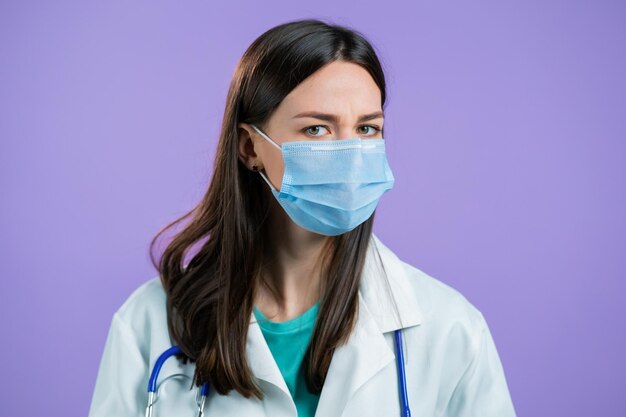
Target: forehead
point(339, 87)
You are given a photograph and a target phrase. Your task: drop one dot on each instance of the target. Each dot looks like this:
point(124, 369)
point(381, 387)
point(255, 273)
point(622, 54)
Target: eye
point(315, 128)
point(374, 129)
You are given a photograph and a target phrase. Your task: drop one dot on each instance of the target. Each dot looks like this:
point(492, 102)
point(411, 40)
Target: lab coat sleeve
point(122, 381)
point(482, 390)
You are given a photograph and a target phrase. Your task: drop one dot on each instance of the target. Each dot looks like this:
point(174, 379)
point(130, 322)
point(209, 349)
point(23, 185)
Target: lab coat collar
point(378, 296)
point(367, 350)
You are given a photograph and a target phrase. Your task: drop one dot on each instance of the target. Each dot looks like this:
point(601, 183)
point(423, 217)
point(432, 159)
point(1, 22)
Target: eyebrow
point(332, 118)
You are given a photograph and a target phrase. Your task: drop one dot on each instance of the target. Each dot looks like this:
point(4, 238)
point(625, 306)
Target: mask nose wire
point(273, 143)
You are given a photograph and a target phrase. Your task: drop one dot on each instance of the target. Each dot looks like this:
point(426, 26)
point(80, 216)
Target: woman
point(290, 305)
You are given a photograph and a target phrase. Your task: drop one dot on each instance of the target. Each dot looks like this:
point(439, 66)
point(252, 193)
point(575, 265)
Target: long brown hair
point(210, 300)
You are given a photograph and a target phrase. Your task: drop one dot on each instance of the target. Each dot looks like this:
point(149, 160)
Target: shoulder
point(437, 298)
point(433, 299)
point(144, 314)
point(138, 334)
point(147, 299)
point(447, 314)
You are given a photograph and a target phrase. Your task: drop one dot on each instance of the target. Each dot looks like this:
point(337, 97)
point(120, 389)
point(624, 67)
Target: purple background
point(506, 125)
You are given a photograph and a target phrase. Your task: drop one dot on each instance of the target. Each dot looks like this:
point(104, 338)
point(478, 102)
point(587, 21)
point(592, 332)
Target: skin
point(347, 91)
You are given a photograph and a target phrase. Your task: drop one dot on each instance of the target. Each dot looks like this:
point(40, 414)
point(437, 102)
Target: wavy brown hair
point(210, 299)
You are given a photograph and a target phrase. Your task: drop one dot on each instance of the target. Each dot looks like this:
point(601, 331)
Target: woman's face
point(339, 101)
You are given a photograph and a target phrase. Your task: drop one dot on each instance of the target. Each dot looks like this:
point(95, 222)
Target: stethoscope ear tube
point(152, 382)
point(154, 376)
point(204, 391)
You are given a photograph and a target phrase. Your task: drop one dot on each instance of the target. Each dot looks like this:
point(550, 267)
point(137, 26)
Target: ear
point(245, 147)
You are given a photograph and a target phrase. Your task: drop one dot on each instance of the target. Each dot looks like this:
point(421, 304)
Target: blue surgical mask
point(331, 186)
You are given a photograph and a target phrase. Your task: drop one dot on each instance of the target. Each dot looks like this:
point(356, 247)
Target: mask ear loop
point(266, 137)
point(267, 181)
point(273, 143)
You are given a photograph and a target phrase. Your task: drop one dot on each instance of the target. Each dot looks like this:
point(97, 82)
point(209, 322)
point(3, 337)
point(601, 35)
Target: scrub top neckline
point(304, 319)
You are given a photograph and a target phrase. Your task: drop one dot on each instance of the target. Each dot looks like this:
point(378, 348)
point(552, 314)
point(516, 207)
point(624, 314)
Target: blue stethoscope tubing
point(152, 382)
point(204, 390)
point(404, 398)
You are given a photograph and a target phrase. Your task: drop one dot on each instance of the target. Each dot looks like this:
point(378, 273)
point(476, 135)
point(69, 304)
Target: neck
point(293, 269)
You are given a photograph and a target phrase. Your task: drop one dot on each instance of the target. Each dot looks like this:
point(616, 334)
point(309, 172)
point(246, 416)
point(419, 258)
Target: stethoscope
point(203, 391)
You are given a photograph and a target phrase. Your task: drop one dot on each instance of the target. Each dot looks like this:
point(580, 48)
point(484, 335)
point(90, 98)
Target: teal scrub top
point(288, 342)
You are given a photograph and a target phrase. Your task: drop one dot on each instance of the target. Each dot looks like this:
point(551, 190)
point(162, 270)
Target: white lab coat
point(452, 365)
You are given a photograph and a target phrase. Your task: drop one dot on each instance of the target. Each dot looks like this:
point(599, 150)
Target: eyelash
point(376, 128)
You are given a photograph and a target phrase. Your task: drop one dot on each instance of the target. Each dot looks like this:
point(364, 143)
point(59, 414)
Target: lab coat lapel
point(367, 350)
point(260, 358)
point(353, 364)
